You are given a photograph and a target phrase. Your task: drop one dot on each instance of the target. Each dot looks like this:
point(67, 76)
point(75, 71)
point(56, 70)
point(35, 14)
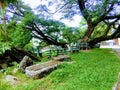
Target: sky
point(73, 23)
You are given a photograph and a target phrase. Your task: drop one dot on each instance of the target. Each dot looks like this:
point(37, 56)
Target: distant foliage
point(71, 34)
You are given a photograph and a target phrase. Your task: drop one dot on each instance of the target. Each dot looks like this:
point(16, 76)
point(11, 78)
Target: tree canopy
point(100, 21)
point(95, 13)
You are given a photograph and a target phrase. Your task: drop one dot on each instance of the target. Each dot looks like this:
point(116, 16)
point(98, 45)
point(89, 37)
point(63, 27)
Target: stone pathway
point(117, 51)
point(116, 48)
point(110, 46)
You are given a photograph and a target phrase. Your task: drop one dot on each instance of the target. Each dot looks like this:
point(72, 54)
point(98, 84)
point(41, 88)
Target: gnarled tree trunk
point(15, 55)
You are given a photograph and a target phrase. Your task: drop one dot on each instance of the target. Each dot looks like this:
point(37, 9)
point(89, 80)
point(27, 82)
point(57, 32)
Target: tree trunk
point(2, 6)
point(88, 33)
point(15, 55)
point(27, 53)
point(99, 39)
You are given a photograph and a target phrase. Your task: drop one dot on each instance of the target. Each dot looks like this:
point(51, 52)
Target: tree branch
point(117, 32)
point(44, 37)
point(112, 17)
point(115, 35)
point(103, 17)
point(84, 10)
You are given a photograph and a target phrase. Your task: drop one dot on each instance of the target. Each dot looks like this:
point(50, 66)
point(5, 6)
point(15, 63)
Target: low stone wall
point(117, 84)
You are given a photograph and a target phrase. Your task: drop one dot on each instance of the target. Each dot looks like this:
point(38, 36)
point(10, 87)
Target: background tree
point(3, 5)
point(95, 13)
point(4, 44)
point(18, 35)
point(71, 34)
point(47, 30)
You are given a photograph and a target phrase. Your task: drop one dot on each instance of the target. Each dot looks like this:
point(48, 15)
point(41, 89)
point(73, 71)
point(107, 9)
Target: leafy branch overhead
point(95, 13)
point(100, 21)
point(100, 12)
point(48, 30)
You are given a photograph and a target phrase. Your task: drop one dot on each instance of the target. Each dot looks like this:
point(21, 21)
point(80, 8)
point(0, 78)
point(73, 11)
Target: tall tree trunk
point(88, 33)
point(88, 19)
point(2, 6)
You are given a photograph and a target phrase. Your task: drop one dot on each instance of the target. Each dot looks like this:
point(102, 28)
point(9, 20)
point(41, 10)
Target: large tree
point(48, 30)
point(101, 18)
point(3, 5)
point(18, 36)
point(96, 13)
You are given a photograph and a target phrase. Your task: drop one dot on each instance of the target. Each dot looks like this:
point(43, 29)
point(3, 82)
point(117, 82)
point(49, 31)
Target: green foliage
point(2, 33)
point(71, 34)
point(9, 1)
point(16, 34)
point(4, 46)
point(99, 30)
point(29, 18)
point(42, 44)
point(29, 46)
point(52, 28)
point(19, 36)
point(82, 27)
point(4, 85)
point(9, 70)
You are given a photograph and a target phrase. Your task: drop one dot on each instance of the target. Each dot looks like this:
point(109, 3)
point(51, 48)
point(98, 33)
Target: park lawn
point(95, 69)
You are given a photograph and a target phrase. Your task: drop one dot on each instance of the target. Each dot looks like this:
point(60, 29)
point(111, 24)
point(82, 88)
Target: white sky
point(32, 3)
point(73, 23)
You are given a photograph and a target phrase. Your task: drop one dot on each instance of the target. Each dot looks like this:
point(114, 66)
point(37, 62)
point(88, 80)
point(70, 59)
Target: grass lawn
point(95, 69)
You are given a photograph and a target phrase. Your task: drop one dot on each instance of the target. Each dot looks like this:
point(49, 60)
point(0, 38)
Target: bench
point(58, 50)
point(49, 53)
point(84, 46)
point(74, 49)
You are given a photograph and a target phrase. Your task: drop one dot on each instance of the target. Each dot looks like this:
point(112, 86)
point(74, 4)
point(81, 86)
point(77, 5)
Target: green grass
point(96, 69)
